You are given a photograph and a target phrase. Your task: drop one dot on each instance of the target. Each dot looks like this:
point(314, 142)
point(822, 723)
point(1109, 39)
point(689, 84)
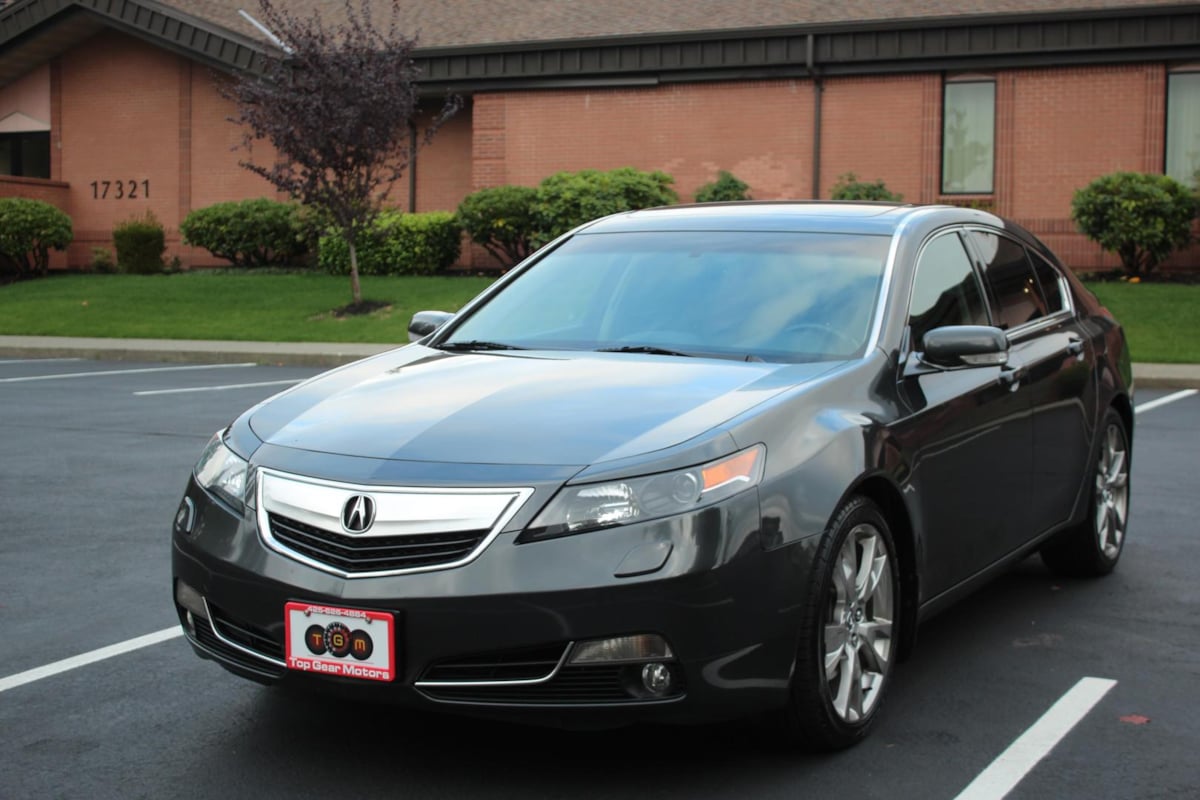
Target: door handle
point(1012, 376)
point(1075, 346)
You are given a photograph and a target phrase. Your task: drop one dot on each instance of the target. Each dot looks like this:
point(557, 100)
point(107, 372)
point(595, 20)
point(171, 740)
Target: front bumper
point(493, 636)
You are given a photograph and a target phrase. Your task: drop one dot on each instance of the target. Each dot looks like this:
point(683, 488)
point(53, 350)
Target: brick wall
point(760, 131)
point(120, 124)
point(876, 128)
point(125, 110)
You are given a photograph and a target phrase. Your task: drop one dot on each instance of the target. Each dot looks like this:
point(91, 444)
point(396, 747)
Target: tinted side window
point(1051, 284)
point(1016, 296)
point(945, 291)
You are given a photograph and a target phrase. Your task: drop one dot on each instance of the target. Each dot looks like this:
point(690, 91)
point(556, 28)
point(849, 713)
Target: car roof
point(800, 216)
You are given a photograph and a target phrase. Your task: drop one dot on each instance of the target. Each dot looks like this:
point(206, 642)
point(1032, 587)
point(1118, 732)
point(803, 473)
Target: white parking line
point(1003, 774)
point(1162, 401)
point(124, 372)
point(90, 657)
point(37, 360)
point(218, 388)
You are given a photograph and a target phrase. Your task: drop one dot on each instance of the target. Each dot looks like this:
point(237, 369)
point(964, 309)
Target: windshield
point(774, 296)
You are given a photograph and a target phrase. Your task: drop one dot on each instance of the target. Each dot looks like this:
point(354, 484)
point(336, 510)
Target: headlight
point(223, 472)
point(587, 507)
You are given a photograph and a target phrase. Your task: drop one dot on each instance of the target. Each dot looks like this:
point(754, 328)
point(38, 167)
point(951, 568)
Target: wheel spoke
point(877, 637)
point(835, 646)
point(841, 700)
point(854, 710)
point(867, 578)
point(1116, 470)
point(845, 574)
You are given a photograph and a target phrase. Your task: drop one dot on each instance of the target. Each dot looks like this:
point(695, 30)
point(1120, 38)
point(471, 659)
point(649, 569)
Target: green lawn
point(292, 307)
point(1162, 320)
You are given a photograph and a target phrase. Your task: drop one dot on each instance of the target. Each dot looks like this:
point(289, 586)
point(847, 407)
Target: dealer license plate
point(347, 642)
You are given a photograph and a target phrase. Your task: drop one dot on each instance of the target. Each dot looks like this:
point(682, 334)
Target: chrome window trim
point(1038, 325)
point(889, 273)
point(956, 229)
point(519, 496)
point(562, 660)
point(1050, 320)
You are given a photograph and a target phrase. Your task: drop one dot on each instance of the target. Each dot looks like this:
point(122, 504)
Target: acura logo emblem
point(358, 514)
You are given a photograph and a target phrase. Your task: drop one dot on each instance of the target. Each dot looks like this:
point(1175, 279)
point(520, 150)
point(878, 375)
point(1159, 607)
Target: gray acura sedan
point(687, 463)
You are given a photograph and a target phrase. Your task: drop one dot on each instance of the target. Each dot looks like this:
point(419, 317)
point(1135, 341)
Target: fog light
point(657, 679)
point(191, 600)
point(189, 622)
point(621, 649)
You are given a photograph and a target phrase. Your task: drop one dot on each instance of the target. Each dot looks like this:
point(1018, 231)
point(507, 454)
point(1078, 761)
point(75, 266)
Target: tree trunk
point(355, 286)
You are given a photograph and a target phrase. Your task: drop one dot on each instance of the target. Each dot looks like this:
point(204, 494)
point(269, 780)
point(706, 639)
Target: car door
point(1061, 364)
point(968, 429)
point(1053, 355)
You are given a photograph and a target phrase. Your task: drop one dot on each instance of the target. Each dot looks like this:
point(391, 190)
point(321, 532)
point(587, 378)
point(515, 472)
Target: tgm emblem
point(358, 515)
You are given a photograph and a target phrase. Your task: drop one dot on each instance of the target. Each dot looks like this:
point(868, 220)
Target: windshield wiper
point(476, 344)
point(643, 348)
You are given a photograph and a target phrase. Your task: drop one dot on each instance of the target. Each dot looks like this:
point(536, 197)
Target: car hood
point(418, 404)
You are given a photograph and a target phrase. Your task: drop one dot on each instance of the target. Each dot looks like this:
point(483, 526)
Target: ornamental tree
point(339, 105)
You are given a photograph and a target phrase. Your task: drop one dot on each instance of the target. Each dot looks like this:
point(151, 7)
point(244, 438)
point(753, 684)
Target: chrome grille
point(406, 529)
point(355, 554)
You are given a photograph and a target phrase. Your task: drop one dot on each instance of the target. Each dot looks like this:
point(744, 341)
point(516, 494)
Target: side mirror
point(965, 346)
point(426, 322)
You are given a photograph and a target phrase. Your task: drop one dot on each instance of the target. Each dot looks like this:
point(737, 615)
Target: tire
point(849, 635)
point(1093, 548)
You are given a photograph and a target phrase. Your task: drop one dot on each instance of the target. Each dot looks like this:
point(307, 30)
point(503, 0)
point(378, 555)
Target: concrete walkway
point(323, 354)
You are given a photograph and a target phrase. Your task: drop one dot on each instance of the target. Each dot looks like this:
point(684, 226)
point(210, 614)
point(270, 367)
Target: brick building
point(112, 107)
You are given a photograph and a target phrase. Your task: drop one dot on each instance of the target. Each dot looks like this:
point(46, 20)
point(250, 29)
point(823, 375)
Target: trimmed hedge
point(398, 244)
point(724, 189)
point(566, 200)
point(140, 243)
point(1142, 218)
point(849, 187)
point(29, 229)
point(501, 219)
point(249, 233)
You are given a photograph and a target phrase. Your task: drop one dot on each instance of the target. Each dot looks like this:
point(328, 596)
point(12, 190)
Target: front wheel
point(849, 636)
point(1093, 548)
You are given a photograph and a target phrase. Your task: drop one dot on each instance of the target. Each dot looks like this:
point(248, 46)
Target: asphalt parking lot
point(94, 455)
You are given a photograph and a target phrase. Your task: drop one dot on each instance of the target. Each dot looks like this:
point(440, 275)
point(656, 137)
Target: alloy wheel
point(1112, 492)
point(858, 624)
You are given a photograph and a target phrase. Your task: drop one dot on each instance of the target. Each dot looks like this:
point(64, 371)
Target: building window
point(969, 137)
point(25, 155)
point(1183, 126)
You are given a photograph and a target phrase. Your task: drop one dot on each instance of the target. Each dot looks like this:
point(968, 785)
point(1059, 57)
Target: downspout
point(412, 167)
point(818, 90)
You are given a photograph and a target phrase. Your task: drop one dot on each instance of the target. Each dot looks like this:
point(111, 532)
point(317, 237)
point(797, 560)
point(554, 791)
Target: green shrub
point(501, 219)
point(248, 233)
point(29, 229)
point(566, 200)
point(102, 261)
point(398, 244)
point(140, 243)
point(725, 188)
point(1142, 218)
point(849, 187)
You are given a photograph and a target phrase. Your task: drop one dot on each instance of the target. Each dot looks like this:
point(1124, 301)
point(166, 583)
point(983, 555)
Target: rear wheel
point(1093, 548)
point(849, 636)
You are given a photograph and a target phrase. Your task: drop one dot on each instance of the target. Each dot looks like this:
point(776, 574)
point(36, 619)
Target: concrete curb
point(324, 354)
point(189, 351)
